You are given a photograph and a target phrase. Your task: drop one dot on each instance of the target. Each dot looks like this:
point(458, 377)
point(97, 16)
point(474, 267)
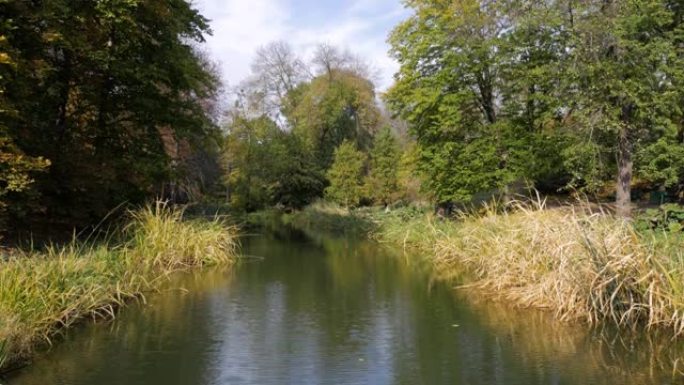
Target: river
point(302, 309)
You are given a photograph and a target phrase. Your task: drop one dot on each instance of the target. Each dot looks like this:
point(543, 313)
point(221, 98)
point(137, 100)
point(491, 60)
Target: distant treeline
point(561, 95)
point(300, 131)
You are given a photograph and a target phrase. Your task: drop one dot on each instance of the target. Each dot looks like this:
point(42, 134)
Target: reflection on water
point(321, 310)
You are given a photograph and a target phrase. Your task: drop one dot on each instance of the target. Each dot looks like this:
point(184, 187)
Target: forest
point(580, 98)
point(102, 102)
point(114, 102)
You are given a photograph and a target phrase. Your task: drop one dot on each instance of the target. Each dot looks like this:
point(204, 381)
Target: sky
point(242, 26)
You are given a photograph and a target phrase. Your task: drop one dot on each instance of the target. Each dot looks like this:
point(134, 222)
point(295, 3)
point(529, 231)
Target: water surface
point(324, 310)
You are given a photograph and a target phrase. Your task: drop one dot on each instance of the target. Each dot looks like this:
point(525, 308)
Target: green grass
point(44, 293)
point(329, 217)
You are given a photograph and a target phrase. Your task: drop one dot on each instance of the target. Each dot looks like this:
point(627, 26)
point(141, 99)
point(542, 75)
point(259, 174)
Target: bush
point(669, 218)
point(346, 176)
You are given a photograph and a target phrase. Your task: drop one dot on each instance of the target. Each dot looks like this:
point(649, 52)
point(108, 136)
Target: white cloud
point(241, 26)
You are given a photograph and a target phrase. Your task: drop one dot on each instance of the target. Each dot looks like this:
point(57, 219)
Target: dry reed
point(580, 263)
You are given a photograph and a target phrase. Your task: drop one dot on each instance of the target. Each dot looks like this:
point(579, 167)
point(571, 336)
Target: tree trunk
point(62, 111)
point(625, 162)
point(229, 190)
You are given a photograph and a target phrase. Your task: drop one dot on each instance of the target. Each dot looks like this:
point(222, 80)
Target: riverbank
point(43, 293)
point(580, 263)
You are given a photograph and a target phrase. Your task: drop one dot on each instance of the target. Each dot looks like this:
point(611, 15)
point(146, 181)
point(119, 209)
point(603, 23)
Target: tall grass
point(581, 264)
point(44, 293)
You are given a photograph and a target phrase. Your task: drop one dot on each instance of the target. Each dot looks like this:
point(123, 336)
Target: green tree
point(346, 175)
point(475, 84)
point(267, 166)
point(497, 91)
point(622, 78)
point(662, 162)
point(298, 178)
point(308, 117)
point(409, 178)
point(250, 161)
point(382, 182)
point(332, 108)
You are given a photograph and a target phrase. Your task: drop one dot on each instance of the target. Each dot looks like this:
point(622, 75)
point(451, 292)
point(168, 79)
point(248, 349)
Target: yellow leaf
point(49, 37)
point(5, 58)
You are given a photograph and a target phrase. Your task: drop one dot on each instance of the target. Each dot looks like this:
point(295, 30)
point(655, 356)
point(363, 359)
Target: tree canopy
point(112, 101)
point(497, 91)
point(310, 109)
point(114, 94)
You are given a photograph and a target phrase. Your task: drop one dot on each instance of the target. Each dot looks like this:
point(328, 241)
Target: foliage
point(382, 182)
point(15, 170)
point(496, 92)
point(249, 160)
point(15, 167)
point(286, 125)
point(330, 217)
point(477, 93)
point(587, 164)
point(409, 179)
point(116, 109)
point(346, 175)
point(299, 179)
point(621, 78)
point(668, 217)
point(662, 163)
point(333, 108)
point(268, 167)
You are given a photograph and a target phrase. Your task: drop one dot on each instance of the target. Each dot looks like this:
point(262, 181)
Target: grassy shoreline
point(578, 262)
point(44, 293)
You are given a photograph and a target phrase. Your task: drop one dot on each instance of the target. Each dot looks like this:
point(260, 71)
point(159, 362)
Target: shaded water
point(305, 310)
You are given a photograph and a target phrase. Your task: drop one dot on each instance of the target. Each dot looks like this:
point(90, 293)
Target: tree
point(497, 91)
point(286, 126)
point(662, 163)
point(329, 59)
point(477, 121)
point(622, 77)
point(410, 182)
point(298, 179)
point(331, 109)
point(16, 171)
point(383, 181)
point(267, 166)
point(346, 175)
point(250, 161)
point(276, 72)
point(97, 86)
point(16, 168)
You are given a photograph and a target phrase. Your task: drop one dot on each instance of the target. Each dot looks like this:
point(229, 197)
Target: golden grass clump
point(581, 264)
point(44, 293)
point(163, 239)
